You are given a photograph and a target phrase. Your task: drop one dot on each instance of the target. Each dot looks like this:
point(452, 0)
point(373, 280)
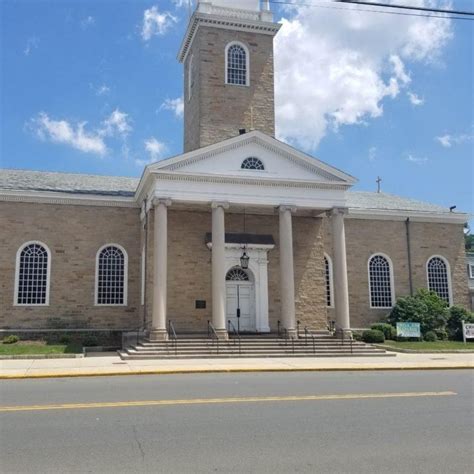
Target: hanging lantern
point(244, 260)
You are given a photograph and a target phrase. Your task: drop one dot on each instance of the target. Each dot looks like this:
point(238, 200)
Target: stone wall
point(73, 234)
point(218, 110)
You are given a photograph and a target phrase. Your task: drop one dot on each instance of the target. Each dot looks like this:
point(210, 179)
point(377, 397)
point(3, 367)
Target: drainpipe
point(410, 278)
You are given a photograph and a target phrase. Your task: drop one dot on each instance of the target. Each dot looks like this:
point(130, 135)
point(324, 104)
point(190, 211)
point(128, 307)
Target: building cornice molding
point(48, 197)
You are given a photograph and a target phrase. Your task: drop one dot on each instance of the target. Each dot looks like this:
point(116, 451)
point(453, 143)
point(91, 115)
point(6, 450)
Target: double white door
point(240, 300)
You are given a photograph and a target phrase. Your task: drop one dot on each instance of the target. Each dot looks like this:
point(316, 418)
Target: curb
point(46, 375)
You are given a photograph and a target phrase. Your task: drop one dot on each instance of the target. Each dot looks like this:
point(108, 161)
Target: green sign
point(408, 330)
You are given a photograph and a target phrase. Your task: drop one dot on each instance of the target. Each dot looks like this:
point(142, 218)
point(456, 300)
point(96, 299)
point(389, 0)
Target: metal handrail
point(298, 329)
point(236, 333)
point(212, 333)
point(307, 332)
point(351, 339)
point(279, 327)
point(172, 335)
point(286, 336)
point(142, 328)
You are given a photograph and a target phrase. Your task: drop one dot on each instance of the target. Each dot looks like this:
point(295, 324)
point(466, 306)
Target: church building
point(239, 230)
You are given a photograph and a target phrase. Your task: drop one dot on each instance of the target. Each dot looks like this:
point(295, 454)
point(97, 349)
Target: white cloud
point(372, 153)
point(31, 43)
point(449, 140)
point(335, 67)
point(117, 123)
point(414, 99)
point(103, 89)
point(416, 159)
point(87, 22)
point(62, 131)
point(156, 23)
point(175, 105)
point(155, 149)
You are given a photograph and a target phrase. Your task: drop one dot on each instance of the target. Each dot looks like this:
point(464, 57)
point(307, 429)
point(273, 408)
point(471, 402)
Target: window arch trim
point(247, 63)
point(125, 275)
point(17, 273)
point(331, 280)
point(448, 275)
point(392, 280)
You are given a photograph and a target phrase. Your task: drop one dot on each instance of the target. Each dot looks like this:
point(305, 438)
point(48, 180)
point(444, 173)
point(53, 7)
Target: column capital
point(216, 204)
point(162, 200)
point(338, 211)
point(287, 207)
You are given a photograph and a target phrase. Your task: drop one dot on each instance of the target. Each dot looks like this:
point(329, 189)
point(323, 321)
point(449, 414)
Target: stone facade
point(75, 233)
point(216, 110)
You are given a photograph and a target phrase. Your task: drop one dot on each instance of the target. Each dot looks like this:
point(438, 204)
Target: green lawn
point(428, 346)
point(35, 347)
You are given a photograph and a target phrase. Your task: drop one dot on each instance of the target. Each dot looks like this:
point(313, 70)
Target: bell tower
point(227, 54)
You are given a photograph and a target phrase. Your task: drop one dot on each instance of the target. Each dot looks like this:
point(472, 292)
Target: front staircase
point(322, 344)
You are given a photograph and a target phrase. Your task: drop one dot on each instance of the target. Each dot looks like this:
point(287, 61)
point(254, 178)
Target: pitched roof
point(20, 180)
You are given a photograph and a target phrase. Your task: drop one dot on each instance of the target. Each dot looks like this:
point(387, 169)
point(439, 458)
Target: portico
point(271, 194)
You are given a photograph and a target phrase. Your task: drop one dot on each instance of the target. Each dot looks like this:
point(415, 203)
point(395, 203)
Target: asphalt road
point(334, 422)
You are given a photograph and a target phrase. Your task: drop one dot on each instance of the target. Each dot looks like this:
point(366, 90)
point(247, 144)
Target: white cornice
point(401, 215)
point(78, 199)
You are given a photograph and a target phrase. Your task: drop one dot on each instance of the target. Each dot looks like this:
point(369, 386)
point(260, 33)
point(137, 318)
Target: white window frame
point(190, 77)
point(448, 271)
point(125, 276)
point(331, 280)
point(17, 274)
point(247, 63)
point(470, 266)
point(392, 280)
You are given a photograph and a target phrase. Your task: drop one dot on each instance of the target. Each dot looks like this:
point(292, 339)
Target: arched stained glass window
point(111, 278)
point(252, 163)
point(438, 277)
point(236, 65)
point(380, 282)
point(32, 275)
point(237, 274)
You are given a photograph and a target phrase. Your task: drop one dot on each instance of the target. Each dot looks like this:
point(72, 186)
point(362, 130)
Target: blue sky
point(94, 87)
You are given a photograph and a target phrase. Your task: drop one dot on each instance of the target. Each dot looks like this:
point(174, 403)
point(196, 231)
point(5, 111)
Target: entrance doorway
point(240, 302)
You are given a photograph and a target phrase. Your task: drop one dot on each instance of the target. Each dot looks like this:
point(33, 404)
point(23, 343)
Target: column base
point(222, 334)
point(158, 335)
point(343, 333)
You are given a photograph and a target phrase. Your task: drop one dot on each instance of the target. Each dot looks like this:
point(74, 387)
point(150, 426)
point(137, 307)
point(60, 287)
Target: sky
point(93, 86)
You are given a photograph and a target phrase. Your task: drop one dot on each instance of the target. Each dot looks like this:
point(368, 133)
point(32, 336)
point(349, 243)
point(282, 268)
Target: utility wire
point(406, 7)
point(371, 10)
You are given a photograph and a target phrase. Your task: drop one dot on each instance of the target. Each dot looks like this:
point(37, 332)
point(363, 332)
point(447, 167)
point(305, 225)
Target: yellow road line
point(208, 401)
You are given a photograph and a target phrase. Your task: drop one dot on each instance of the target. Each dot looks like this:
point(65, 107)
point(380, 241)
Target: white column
point(218, 269)
point(160, 270)
point(341, 287)
point(287, 277)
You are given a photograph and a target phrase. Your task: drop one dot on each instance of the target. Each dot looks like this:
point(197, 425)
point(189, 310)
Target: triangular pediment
point(281, 162)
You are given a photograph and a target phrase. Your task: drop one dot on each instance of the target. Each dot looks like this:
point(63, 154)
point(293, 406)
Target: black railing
point(298, 329)
point(236, 334)
point(212, 334)
point(172, 337)
point(284, 334)
point(308, 332)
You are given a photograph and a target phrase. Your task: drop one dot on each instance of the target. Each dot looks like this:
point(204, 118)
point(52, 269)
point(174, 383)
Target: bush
point(65, 340)
point(373, 336)
point(441, 334)
point(388, 330)
point(90, 341)
point(10, 339)
point(425, 307)
point(457, 314)
point(430, 336)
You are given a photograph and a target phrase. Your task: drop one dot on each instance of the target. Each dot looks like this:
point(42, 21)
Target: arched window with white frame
point(32, 274)
point(111, 276)
point(329, 281)
point(439, 277)
point(381, 285)
point(237, 64)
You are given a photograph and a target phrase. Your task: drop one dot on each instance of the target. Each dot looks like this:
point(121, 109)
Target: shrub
point(373, 335)
point(388, 330)
point(457, 314)
point(430, 336)
point(90, 341)
point(425, 307)
point(65, 340)
point(441, 334)
point(10, 339)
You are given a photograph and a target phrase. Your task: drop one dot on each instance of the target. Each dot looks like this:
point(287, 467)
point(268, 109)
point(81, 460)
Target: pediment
point(281, 162)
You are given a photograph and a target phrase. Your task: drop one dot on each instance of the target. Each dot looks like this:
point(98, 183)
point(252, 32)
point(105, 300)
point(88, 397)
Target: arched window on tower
point(111, 275)
point(380, 282)
point(437, 269)
point(237, 64)
point(33, 268)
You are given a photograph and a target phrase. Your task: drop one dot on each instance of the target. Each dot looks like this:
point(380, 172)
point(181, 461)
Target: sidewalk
point(113, 365)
